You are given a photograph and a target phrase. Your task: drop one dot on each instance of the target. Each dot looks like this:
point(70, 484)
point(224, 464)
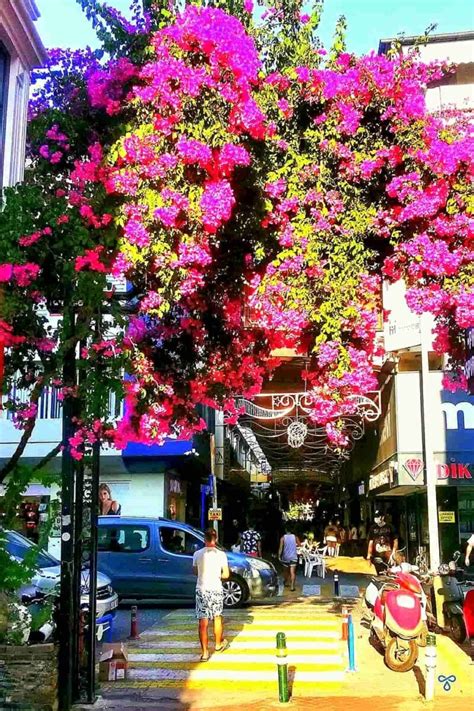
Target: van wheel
point(235, 592)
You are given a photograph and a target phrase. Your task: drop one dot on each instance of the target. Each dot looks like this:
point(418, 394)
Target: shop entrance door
point(447, 498)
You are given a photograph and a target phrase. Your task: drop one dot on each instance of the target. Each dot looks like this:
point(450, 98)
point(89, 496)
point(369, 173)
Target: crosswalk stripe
point(303, 613)
point(330, 687)
point(275, 623)
point(231, 675)
point(301, 633)
point(244, 658)
point(168, 645)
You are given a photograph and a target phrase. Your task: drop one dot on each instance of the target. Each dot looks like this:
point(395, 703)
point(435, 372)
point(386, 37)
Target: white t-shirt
point(209, 562)
point(471, 541)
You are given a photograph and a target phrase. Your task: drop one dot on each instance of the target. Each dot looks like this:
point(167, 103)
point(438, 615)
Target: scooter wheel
point(401, 654)
point(422, 638)
point(457, 629)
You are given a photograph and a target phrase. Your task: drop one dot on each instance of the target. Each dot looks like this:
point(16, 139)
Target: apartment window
point(4, 67)
point(19, 129)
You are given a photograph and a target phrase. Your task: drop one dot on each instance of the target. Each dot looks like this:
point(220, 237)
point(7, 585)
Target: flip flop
point(204, 659)
point(224, 645)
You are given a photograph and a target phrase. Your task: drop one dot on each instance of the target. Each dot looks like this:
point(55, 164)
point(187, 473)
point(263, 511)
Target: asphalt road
point(149, 613)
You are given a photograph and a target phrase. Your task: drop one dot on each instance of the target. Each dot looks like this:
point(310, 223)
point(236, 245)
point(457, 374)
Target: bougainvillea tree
point(254, 191)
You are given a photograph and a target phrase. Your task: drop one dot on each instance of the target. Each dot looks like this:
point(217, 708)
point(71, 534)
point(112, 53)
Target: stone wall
point(29, 677)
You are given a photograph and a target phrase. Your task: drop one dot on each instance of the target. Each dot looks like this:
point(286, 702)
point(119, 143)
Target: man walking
point(211, 566)
point(288, 554)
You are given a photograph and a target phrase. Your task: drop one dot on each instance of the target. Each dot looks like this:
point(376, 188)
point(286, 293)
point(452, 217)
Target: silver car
point(48, 575)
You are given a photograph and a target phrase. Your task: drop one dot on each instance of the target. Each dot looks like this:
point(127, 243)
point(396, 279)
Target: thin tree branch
point(48, 457)
point(30, 425)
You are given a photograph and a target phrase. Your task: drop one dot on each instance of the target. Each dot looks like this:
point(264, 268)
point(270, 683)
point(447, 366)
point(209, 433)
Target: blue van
point(152, 558)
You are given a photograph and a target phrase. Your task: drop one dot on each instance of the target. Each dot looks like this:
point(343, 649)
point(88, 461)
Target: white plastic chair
point(315, 561)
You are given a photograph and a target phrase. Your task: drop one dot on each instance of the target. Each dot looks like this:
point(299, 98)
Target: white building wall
point(23, 44)
point(408, 407)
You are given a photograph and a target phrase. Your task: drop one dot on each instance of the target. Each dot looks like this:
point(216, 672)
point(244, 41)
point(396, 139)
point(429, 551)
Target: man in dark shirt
point(251, 542)
point(383, 542)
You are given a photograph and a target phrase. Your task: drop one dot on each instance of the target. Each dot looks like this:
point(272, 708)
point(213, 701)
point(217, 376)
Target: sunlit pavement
point(165, 672)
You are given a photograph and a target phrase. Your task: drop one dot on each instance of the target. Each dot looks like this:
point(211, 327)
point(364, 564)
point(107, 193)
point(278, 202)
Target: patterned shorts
point(209, 604)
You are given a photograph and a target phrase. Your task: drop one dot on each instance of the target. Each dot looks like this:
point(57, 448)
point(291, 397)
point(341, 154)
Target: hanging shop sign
point(383, 478)
point(455, 473)
point(214, 515)
point(412, 470)
point(361, 489)
point(446, 517)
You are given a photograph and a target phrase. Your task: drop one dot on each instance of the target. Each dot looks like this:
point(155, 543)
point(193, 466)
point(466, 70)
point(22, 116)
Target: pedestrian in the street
point(288, 554)
point(330, 538)
point(353, 539)
point(107, 506)
point(251, 542)
point(469, 549)
point(383, 543)
point(211, 567)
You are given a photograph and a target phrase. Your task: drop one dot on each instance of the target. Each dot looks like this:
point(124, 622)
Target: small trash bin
point(104, 628)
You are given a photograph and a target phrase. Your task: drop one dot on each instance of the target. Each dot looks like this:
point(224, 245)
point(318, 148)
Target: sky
point(62, 23)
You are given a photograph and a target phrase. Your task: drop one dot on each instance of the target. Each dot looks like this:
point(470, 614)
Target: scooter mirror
point(456, 556)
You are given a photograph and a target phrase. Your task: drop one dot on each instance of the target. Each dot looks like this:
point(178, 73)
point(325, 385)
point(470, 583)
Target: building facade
point(391, 471)
point(21, 50)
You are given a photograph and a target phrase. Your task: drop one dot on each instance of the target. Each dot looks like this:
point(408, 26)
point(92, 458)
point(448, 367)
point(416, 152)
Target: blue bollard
point(351, 644)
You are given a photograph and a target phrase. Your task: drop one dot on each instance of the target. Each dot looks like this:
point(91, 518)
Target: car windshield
point(18, 546)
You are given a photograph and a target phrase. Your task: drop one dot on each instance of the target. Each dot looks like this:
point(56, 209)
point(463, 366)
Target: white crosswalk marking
point(169, 653)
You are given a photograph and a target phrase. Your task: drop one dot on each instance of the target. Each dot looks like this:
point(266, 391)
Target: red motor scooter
point(397, 619)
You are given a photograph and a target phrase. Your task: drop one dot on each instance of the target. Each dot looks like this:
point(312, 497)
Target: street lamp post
point(428, 445)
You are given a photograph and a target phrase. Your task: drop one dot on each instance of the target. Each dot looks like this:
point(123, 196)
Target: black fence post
point(67, 610)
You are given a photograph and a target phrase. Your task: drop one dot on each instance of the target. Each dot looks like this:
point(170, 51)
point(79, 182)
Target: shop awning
point(31, 490)
point(170, 448)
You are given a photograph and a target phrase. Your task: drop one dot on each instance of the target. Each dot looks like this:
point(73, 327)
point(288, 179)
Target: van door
point(175, 561)
point(126, 553)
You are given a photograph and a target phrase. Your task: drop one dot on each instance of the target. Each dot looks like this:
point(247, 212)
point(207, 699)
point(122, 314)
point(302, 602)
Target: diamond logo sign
point(414, 467)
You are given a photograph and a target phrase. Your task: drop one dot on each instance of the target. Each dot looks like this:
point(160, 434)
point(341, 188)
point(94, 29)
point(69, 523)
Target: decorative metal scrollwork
point(297, 432)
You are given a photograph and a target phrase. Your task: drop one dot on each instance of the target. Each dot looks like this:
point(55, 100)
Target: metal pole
point(91, 631)
point(67, 610)
point(78, 649)
point(427, 443)
point(351, 644)
point(430, 664)
point(282, 666)
point(215, 524)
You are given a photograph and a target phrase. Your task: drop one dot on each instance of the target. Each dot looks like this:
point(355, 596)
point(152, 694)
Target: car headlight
point(258, 564)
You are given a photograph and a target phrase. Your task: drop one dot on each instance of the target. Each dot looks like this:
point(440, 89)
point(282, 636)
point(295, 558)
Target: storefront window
point(466, 512)
point(4, 64)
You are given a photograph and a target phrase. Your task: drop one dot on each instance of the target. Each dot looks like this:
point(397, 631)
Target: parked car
point(49, 574)
point(152, 558)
